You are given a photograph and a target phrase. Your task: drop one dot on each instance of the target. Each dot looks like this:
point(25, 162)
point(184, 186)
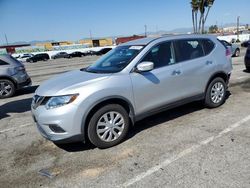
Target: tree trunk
point(193, 21)
point(196, 22)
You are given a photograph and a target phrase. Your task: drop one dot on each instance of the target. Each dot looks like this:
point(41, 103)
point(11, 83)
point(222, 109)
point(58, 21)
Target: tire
point(248, 69)
point(7, 88)
point(107, 138)
point(237, 53)
point(218, 87)
point(31, 61)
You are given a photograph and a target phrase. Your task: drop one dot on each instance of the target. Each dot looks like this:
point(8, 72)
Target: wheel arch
point(104, 101)
point(10, 79)
point(219, 74)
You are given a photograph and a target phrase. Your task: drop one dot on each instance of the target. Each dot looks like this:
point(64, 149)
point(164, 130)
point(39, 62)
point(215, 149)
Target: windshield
point(115, 60)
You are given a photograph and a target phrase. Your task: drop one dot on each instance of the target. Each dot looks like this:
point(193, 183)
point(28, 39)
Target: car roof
point(10, 60)
point(146, 41)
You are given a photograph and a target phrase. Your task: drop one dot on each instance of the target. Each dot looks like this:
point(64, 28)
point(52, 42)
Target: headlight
point(58, 101)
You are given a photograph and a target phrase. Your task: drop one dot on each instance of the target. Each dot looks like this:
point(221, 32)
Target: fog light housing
point(56, 129)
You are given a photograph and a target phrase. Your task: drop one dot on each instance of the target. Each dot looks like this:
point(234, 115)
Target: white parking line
point(241, 77)
point(13, 128)
point(184, 153)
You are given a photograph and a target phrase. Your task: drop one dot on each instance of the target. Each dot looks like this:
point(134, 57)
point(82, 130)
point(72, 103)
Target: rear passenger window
point(208, 46)
point(161, 55)
point(3, 62)
point(188, 49)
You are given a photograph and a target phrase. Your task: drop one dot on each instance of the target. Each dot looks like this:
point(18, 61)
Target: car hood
point(69, 83)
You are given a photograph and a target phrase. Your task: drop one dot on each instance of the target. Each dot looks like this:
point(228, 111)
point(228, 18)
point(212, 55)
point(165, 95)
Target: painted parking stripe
point(14, 128)
point(187, 151)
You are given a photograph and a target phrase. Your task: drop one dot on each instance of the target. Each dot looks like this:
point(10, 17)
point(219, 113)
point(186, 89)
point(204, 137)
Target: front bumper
point(66, 118)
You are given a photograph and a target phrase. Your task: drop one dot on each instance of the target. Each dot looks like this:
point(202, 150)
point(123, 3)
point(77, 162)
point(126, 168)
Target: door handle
point(176, 72)
point(209, 62)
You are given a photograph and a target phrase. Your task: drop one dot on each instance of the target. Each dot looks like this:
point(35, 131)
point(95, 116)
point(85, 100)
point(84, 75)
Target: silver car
point(131, 82)
point(13, 76)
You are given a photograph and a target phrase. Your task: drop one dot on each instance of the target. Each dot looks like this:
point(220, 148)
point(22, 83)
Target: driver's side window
point(161, 55)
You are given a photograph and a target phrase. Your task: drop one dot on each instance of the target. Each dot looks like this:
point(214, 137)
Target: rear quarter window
point(3, 62)
point(187, 49)
point(208, 46)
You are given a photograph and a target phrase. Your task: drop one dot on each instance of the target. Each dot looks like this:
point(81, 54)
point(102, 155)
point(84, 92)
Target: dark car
point(245, 44)
point(76, 54)
point(247, 59)
point(101, 52)
point(60, 55)
point(38, 57)
point(13, 76)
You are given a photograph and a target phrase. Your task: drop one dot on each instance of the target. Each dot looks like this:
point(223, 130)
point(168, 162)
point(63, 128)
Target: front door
point(160, 86)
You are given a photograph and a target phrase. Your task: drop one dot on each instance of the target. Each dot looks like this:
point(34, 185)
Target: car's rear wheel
point(216, 93)
point(237, 53)
point(108, 126)
point(7, 88)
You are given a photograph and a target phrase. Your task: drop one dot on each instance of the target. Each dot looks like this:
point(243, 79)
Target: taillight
point(21, 68)
point(228, 52)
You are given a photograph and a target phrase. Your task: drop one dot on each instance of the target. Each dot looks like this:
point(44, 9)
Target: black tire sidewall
point(92, 135)
point(208, 102)
point(12, 86)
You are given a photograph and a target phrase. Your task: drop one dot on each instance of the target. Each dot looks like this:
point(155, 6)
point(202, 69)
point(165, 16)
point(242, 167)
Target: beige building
point(49, 45)
point(97, 42)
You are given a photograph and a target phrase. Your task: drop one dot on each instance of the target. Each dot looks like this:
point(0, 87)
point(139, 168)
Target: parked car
point(76, 54)
point(245, 44)
point(60, 55)
point(247, 59)
point(101, 52)
point(24, 57)
point(38, 57)
point(13, 76)
point(234, 48)
point(135, 80)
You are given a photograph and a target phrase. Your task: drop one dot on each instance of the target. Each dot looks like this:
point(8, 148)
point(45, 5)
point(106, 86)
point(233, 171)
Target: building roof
point(14, 45)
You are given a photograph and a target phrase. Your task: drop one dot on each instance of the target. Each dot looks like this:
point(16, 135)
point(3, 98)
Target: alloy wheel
point(110, 126)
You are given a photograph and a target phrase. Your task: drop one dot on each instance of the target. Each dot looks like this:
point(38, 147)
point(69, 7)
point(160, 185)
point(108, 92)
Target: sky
point(27, 20)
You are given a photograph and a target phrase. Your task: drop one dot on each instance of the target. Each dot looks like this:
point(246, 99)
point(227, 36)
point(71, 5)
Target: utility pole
point(6, 39)
point(238, 24)
point(90, 34)
point(145, 26)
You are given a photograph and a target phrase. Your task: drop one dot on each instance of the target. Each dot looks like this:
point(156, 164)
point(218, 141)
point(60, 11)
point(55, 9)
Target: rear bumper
point(28, 82)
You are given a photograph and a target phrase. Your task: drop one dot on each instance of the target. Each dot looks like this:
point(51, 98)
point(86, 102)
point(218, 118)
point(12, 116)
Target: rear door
point(197, 64)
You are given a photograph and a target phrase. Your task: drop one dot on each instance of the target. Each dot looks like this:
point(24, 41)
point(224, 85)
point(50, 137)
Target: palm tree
point(209, 4)
point(202, 6)
point(195, 8)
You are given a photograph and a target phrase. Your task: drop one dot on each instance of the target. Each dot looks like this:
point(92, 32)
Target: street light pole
point(6, 39)
point(238, 24)
point(145, 30)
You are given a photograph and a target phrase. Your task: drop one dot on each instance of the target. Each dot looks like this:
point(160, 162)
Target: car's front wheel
point(216, 93)
point(108, 126)
point(7, 88)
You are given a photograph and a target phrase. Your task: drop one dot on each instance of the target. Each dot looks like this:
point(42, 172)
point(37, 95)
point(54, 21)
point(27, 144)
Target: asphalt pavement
point(189, 146)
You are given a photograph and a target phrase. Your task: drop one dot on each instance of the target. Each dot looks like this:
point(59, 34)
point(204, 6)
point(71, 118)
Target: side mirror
point(145, 66)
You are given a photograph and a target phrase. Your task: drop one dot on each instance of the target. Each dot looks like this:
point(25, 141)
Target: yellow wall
point(87, 42)
point(103, 42)
point(106, 42)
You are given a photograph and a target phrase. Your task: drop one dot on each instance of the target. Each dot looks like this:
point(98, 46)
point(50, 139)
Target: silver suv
point(13, 76)
point(132, 81)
